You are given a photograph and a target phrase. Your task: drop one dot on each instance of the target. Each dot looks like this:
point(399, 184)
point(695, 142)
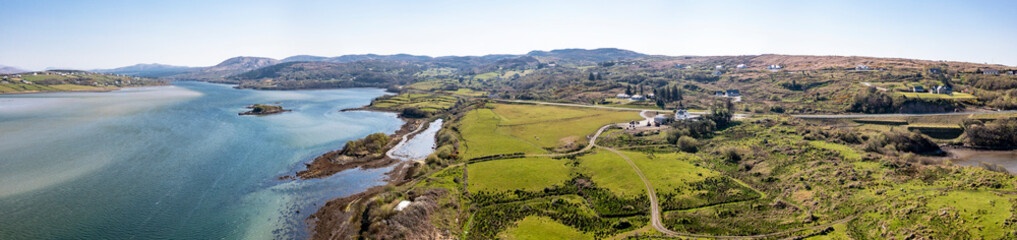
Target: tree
point(592, 77)
point(628, 89)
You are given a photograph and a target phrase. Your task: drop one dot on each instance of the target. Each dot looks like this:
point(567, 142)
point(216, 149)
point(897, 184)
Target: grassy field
point(484, 138)
point(511, 128)
point(609, 171)
point(426, 102)
point(528, 174)
point(539, 228)
point(468, 92)
point(845, 152)
point(983, 211)
point(548, 126)
point(954, 96)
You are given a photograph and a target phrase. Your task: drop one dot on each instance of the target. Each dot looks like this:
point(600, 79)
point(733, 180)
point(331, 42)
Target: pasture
point(527, 174)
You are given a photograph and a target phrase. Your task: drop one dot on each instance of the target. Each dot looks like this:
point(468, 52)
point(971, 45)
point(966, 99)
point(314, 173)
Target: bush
point(731, 154)
point(415, 113)
point(999, 134)
point(902, 141)
point(688, 144)
point(372, 144)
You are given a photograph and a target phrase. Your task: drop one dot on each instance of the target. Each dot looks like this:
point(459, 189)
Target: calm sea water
point(174, 162)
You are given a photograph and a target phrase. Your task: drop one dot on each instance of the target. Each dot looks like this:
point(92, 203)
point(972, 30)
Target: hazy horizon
point(110, 34)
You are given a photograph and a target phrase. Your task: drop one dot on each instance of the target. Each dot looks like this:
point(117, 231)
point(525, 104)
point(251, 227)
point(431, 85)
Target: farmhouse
point(862, 68)
point(719, 93)
point(740, 66)
point(638, 98)
point(720, 67)
point(990, 71)
point(941, 89)
point(682, 115)
point(1011, 73)
point(733, 93)
point(623, 96)
point(918, 89)
point(774, 67)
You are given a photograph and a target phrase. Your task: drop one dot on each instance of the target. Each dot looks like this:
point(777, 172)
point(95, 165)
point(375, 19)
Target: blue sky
point(105, 34)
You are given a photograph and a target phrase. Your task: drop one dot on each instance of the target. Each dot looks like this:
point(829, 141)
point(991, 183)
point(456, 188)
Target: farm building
point(774, 67)
point(661, 119)
point(942, 90)
point(623, 96)
point(862, 68)
point(990, 72)
point(720, 67)
point(638, 98)
point(740, 66)
point(918, 89)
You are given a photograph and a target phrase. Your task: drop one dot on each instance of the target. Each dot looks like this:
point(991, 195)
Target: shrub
point(999, 134)
point(902, 141)
point(688, 144)
point(414, 113)
point(731, 154)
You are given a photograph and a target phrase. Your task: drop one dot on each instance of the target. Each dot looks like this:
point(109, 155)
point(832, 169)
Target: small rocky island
point(264, 109)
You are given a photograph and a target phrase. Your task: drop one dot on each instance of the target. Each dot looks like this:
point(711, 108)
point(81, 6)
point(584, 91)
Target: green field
point(610, 171)
point(511, 128)
point(527, 174)
point(954, 96)
point(846, 152)
point(484, 138)
point(426, 102)
point(468, 92)
point(539, 228)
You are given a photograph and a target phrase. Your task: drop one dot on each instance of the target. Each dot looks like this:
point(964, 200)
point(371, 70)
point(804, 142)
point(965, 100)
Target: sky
point(39, 34)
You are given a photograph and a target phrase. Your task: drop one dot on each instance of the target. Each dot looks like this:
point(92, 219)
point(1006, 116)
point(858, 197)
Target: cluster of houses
point(941, 89)
point(636, 97)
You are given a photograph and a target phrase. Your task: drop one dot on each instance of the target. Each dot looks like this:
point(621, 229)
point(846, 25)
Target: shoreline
point(82, 90)
point(324, 166)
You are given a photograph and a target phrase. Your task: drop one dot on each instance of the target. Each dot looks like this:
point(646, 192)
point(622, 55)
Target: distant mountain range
point(148, 70)
point(9, 70)
point(237, 65)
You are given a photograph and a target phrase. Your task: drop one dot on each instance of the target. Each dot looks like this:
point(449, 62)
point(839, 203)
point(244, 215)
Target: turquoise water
point(174, 162)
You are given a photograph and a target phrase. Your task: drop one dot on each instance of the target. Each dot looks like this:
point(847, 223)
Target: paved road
point(896, 114)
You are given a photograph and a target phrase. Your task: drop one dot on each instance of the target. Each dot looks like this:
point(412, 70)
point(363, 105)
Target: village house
point(1011, 73)
point(990, 72)
point(862, 68)
point(740, 66)
point(650, 96)
point(918, 89)
point(638, 98)
point(719, 93)
point(941, 89)
point(719, 67)
point(623, 96)
point(774, 67)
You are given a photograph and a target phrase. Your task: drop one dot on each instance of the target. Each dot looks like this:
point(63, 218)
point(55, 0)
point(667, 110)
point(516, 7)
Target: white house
point(990, 71)
point(720, 67)
point(740, 66)
point(638, 98)
point(623, 96)
point(861, 68)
